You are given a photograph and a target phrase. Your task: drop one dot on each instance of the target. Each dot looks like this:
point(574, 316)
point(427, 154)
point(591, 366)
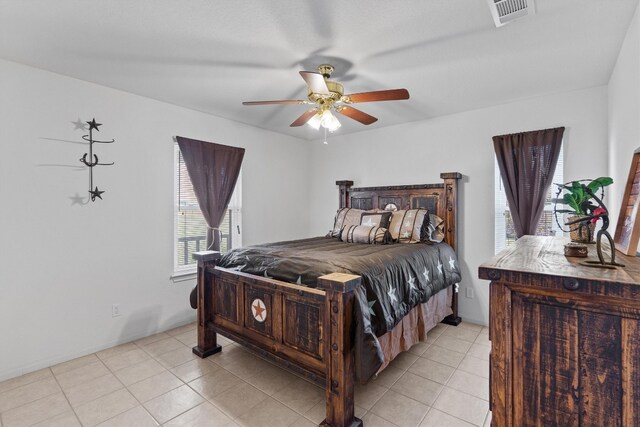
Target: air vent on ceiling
point(505, 11)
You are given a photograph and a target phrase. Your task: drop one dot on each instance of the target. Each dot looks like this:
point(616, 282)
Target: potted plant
point(580, 196)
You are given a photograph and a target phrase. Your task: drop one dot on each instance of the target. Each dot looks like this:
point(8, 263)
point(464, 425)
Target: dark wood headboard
point(440, 198)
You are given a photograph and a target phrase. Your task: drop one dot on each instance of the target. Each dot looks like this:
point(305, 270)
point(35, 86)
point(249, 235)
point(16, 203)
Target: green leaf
point(603, 181)
point(578, 192)
point(570, 200)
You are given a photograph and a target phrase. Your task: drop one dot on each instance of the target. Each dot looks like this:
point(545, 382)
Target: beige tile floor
point(158, 381)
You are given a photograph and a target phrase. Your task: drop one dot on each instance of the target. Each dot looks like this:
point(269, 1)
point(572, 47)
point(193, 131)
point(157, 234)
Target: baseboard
point(45, 363)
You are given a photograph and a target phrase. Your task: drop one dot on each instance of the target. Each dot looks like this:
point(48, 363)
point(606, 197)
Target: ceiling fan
point(327, 95)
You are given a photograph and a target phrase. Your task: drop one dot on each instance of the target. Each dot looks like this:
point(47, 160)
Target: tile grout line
point(180, 379)
point(39, 399)
point(123, 385)
point(407, 371)
point(113, 372)
point(66, 398)
point(447, 382)
point(445, 385)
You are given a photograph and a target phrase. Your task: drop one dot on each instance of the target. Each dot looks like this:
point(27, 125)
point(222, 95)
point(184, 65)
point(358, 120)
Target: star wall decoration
point(93, 125)
point(92, 156)
point(96, 193)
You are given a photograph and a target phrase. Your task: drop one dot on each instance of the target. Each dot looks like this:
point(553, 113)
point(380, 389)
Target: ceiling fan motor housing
point(336, 90)
point(325, 70)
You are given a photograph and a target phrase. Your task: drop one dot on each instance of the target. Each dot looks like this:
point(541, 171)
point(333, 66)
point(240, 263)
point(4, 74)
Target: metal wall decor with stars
point(93, 158)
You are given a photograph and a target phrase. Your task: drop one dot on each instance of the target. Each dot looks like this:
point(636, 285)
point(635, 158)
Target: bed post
point(344, 187)
point(207, 340)
point(451, 220)
point(339, 354)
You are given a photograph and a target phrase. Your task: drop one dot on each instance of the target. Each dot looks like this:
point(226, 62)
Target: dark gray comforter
point(395, 279)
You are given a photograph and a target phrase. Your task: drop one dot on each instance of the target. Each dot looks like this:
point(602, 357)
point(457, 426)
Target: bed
point(314, 324)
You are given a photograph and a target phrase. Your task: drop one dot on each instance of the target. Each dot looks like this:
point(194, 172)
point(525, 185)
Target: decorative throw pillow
point(409, 226)
point(376, 219)
point(413, 226)
point(345, 217)
point(435, 229)
point(396, 221)
point(365, 234)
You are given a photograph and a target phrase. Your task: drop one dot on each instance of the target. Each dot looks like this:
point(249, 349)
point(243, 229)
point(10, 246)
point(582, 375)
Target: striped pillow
point(410, 226)
point(365, 234)
point(345, 217)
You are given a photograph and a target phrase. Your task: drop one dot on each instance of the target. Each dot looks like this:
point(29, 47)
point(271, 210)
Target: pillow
point(375, 219)
point(435, 229)
point(345, 217)
point(365, 234)
point(409, 226)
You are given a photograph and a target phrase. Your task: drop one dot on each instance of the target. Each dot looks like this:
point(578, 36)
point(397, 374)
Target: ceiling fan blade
point(286, 101)
point(316, 82)
point(380, 95)
point(304, 118)
point(356, 114)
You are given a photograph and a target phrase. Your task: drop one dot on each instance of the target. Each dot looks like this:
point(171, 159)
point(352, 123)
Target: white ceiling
point(212, 55)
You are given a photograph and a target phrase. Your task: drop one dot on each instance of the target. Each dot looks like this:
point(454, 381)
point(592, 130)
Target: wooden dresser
point(565, 338)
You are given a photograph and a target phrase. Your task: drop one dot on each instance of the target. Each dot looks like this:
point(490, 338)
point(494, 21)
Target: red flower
point(598, 212)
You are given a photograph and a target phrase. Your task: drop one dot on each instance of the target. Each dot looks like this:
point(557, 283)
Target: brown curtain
point(213, 170)
point(527, 161)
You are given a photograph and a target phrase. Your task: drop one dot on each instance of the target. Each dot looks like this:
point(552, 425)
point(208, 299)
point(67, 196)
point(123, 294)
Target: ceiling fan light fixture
point(329, 121)
point(315, 121)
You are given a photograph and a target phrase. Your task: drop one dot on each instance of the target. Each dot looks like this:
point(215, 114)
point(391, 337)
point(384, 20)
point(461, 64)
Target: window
point(504, 231)
point(190, 226)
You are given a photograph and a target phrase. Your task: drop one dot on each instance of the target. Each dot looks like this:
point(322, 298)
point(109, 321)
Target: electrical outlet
point(115, 310)
point(468, 292)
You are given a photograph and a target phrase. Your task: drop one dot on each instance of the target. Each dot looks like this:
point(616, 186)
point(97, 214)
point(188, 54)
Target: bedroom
point(65, 265)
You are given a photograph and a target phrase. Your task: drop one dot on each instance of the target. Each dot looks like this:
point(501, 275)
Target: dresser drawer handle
point(571, 284)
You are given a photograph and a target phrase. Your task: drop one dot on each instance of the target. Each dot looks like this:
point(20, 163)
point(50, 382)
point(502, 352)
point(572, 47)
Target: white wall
point(64, 265)
point(417, 152)
point(624, 113)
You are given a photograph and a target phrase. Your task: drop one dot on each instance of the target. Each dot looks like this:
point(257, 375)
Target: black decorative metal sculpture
point(93, 159)
point(592, 213)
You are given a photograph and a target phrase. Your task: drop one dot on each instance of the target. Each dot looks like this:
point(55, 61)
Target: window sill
point(183, 276)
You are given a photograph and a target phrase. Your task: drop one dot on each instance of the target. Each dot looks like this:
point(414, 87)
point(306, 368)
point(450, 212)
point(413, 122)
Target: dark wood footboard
point(305, 329)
